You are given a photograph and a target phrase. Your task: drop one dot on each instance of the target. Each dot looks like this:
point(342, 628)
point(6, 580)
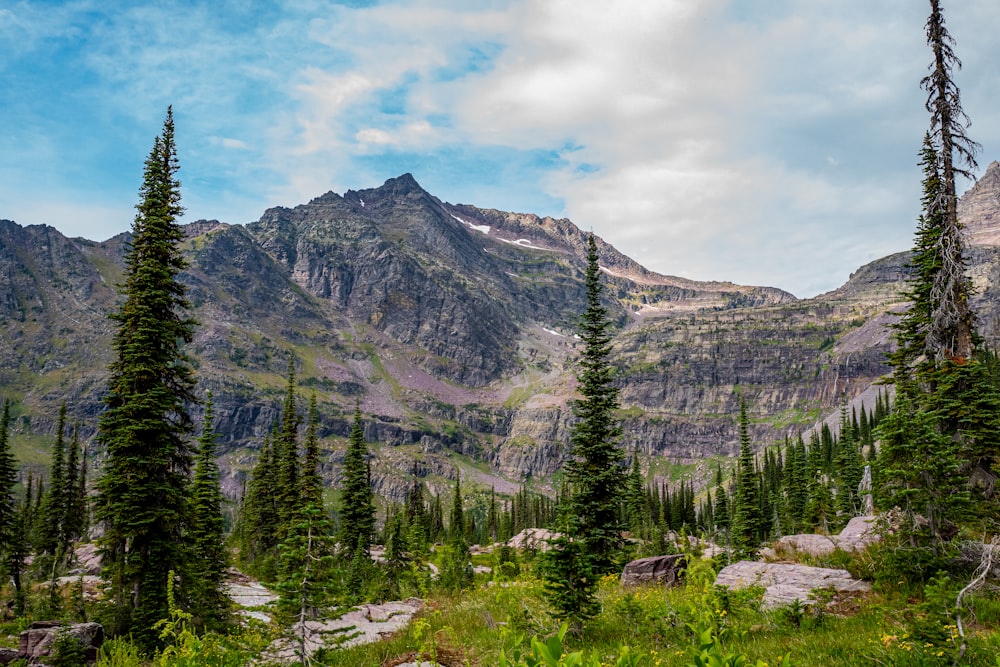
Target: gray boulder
point(666, 570)
point(7, 656)
point(784, 583)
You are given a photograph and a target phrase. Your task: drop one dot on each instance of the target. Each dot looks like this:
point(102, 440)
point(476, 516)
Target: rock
point(666, 570)
point(88, 558)
point(812, 545)
point(533, 538)
point(36, 642)
point(363, 625)
point(858, 534)
point(7, 656)
point(784, 583)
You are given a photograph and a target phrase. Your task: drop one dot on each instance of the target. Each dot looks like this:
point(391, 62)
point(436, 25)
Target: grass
point(659, 623)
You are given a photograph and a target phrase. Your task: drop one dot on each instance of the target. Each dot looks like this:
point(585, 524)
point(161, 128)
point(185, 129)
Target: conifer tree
point(73, 517)
point(144, 428)
point(456, 569)
point(357, 513)
point(721, 513)
point(747, 520)
point(595, 472)
point(286, 456)
point(8, 478)
point(54, 504)
point(209, 559)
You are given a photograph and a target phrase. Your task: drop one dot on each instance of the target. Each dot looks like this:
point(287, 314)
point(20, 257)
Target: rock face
point(784, 583)
point(666, 570)
point(35, 643)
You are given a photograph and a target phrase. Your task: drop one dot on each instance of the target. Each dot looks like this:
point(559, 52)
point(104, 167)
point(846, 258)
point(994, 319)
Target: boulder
point(859, 532)
point(7, 656)
point(813, 545)
point(36, 642)
point(666, 570)
point(784, 583)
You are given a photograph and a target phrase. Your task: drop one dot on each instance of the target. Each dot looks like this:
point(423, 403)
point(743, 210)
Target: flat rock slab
point(784, 583)
point(363, 625)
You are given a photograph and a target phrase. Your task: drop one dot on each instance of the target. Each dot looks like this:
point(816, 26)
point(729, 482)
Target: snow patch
point(362, 202)
point(523, 243)
point(485, 229)
point(554, 333)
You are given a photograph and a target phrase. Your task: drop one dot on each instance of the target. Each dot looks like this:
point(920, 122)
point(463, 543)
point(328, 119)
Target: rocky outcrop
point(665, 570)
point(784, 583)
point(36, 643)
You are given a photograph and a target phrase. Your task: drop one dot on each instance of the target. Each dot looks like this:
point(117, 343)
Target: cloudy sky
point(759, 141)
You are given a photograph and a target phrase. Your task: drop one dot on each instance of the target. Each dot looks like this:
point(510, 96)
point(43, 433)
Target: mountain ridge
point(452, 326)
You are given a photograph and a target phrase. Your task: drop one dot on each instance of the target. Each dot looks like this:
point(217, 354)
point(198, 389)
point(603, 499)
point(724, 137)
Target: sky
point(766, 142)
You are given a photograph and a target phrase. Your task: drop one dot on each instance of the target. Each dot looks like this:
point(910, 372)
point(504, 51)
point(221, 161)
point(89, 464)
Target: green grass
point(659, 623)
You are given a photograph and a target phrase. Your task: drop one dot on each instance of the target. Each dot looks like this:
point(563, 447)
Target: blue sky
point(759, 141)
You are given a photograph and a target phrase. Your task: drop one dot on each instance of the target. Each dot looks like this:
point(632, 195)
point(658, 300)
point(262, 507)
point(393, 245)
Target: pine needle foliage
point(144, 428)
point(357, 512)
point(596, 472)
point(205, 535)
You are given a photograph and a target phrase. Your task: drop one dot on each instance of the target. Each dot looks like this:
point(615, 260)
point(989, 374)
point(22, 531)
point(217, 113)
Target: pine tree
point(54, 504)
point(456, 568)
point(950, 332)
point(357, 513)
point(74, 516)
point(286, 457)
point(14, 518)
point(747, 520)
point(721, 513)
point(209, 560)
point(595, 472)
point(144, 428)
point(253, 532)
point(8, 478)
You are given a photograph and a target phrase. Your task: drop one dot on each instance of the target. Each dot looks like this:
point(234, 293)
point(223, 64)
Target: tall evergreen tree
point(75, 500)
point(286, 455)
point(357, 513)
point(255, 532)
point(456, 568)
point(209, 560)
point(8, 478)
point(950, 332)
point(595, 471)
point(144, 428)
point(54, 504)
point(747, 519)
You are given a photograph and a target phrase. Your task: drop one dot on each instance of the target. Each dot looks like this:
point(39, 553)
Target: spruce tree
point(286, 454)
point(144, 428)
point(8, 478)
point(54, 504)
point(456, 566)
point(747, 519)
point(357, 513)
point(205, 539)
point(595, 472)
point(73, 517)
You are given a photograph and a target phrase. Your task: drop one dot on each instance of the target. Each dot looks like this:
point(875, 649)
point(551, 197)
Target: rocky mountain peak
point(978, 208)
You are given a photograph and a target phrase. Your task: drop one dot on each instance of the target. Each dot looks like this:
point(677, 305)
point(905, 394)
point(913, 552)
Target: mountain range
point(452, 327)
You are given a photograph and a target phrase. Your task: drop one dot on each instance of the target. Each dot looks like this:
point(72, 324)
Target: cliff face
point(452, 326)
